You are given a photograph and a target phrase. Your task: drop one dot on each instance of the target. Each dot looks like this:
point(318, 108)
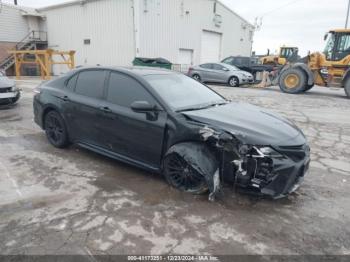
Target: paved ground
point(77, 202)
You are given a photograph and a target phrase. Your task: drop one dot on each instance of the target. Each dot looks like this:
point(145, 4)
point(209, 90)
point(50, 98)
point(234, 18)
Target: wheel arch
point(307, 72)
point(197, 150)
point(346, 77)
point(199, 156)
point(234, 76)
point(48, 108)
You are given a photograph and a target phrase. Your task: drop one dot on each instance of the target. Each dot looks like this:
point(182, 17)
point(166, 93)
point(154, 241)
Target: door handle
point(106, 109)
point(65, 98)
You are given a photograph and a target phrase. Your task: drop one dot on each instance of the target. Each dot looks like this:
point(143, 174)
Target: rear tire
point(55, 128)
point(197, 77)
point(347, 87)
point(309, 87)
point(293, 81)
point(233, 81)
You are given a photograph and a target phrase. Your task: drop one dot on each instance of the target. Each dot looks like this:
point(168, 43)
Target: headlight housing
point(267, 151)
point(14, 88)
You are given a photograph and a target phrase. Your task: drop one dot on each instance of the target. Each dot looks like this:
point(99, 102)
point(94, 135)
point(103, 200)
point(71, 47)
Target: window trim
point(70, 78)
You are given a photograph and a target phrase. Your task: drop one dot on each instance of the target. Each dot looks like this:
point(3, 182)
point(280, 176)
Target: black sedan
point(166, 122)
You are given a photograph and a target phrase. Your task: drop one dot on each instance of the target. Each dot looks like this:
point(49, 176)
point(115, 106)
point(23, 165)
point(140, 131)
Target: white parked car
point(9, 93)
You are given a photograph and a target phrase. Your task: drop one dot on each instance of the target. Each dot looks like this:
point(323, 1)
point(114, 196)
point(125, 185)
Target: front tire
point(293, 81)
point(233, 82)
point(55, 129)
point(347, 87)
point(181, 175)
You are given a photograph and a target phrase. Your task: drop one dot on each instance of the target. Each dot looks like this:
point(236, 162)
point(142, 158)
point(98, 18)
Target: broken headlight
point(13, 88)
point(267, 151)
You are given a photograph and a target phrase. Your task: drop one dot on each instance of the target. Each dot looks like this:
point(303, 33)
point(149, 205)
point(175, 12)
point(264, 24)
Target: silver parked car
point(220, 73)
point(9, 93)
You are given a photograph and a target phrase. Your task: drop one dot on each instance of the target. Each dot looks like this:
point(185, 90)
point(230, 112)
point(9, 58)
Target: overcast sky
point(302, 23)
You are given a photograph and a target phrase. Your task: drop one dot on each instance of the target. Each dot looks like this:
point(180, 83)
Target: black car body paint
point(249, 147)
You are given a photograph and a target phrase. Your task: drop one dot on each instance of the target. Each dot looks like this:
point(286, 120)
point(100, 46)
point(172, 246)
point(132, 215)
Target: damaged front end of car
point(264, 170)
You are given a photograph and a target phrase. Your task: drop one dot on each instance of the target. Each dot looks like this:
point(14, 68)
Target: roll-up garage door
point(211, 47)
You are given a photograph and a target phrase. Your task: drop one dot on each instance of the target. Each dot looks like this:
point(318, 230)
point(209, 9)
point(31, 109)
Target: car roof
point(137, 70)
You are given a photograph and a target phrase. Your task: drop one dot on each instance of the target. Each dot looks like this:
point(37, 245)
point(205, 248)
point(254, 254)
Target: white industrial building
point(114, 32)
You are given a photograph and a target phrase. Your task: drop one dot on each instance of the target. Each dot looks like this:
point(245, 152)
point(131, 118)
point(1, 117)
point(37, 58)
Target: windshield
point(231, 67)
point(343, 47)
point(182, 92)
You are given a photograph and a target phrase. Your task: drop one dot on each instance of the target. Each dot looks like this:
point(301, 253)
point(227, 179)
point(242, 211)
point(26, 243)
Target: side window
point(237, 61)
point(90, 83)
point(124, 90)
point(217, 67)
point(72, 82)
point(207, 66)
point(246, 61)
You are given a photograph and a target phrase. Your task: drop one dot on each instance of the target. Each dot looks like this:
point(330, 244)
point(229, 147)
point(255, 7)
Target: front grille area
point(296, 153)
point(5, 90)
point(299, 147)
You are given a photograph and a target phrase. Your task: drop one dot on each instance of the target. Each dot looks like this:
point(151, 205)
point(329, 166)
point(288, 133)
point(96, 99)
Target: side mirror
point(142, 107)
point(225, 69)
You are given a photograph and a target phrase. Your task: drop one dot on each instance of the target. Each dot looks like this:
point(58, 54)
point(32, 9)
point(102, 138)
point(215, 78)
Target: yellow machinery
point(286, 54)
point(44, 59)
point(330, 68)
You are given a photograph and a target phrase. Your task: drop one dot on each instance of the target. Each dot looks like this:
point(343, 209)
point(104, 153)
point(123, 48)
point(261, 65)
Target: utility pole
point(347, 16)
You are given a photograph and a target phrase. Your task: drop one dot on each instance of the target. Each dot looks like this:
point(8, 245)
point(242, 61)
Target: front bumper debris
point(275, 176)
point(9, 95)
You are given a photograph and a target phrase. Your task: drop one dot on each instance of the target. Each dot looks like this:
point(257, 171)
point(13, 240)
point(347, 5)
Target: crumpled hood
point(6, 82)
point(251, 124)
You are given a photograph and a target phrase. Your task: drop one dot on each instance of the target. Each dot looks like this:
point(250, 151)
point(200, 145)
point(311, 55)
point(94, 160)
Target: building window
point(87, 41)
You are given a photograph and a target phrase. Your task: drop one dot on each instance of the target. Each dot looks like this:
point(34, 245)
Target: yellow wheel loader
point(330, 68)
point(286, 54)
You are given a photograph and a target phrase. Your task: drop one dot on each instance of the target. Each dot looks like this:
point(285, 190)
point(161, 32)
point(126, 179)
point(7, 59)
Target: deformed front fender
point(202, 160)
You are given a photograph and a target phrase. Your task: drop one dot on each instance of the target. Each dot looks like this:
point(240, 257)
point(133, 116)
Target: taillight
point(190, 70)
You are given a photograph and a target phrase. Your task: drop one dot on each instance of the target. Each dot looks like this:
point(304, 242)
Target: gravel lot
point(76, 202)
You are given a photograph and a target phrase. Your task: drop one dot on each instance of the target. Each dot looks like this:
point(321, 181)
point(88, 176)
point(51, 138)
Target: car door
point(207, 72)
point(83, 109)
point(138, 136)
point(220, 73)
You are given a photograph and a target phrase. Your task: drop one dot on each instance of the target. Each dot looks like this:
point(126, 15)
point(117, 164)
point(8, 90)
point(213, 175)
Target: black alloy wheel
point(181, 175)
point(55, 129)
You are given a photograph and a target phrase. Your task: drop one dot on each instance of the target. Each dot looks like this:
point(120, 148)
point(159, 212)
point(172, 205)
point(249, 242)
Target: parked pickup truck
point(249, 64)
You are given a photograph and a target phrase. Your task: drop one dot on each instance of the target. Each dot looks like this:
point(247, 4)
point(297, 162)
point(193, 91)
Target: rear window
point(207, 66)
point(90, 83)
